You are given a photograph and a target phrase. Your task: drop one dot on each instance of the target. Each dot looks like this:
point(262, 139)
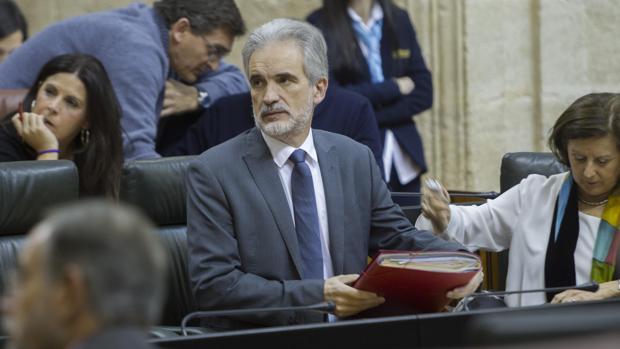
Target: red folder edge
point(409, 289)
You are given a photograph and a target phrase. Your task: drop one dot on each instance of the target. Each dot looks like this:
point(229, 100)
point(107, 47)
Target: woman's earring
point(33, 104)
point(85, 136)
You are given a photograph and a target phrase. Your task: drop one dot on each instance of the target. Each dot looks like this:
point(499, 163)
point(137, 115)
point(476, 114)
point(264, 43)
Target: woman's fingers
point(18, 123)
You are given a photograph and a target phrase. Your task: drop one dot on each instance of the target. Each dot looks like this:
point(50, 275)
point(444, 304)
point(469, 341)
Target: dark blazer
point(242, 245)
point(12, 147)
point(341, 112)
point(392, 110)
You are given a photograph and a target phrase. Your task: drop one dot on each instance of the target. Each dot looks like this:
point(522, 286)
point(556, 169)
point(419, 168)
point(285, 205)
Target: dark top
point(12, 148)
point(393, 110)
point(341, 111)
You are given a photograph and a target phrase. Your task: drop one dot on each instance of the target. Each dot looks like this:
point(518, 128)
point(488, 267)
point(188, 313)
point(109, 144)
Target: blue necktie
point(372, 41)
point(306, 217)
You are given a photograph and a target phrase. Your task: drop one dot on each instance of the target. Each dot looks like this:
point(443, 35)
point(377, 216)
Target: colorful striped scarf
point(607, 238)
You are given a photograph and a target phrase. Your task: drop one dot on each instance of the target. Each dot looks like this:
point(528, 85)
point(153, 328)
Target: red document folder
point(415, 290)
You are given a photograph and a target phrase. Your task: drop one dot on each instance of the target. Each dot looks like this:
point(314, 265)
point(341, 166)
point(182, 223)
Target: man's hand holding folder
point(413, 282)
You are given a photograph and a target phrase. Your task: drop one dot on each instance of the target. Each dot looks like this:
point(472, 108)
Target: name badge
point(401, 53)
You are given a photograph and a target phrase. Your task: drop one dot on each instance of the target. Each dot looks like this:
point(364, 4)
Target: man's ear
point(179, 29)
point(320, 88)
point(72, 294)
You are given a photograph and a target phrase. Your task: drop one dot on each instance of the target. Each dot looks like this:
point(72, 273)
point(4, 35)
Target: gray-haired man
point(284, 215)
point(90, 276)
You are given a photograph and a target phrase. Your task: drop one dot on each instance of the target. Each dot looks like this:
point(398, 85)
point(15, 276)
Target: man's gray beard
point(285, 128)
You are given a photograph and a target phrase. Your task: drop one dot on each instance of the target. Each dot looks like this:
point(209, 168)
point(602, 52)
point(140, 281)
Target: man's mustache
point(276, 108)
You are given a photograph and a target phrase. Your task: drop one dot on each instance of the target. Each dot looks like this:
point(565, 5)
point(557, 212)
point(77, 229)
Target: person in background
point(90, 275)
point(562, 230)
point(287, 215)
point(142, 48)
point(373, 50)
point(13, 28)
point(70, 112)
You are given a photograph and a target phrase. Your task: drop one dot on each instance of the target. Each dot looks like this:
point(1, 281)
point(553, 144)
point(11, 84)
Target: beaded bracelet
point(48, 151)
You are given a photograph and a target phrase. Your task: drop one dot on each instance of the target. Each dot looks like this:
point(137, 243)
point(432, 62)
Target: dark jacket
point(393, 110)
point(12, 148)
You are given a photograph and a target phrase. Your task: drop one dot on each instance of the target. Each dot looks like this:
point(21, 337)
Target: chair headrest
point(157, 187)
point(9, 100)
point(28, 188)
point(517, 166)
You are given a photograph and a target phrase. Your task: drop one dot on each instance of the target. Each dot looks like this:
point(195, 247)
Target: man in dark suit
point(341, 111)
point(283, 214)
point(90, 276)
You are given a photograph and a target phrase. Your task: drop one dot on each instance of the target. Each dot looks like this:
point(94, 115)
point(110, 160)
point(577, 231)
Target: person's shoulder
point(340, 93)
point(135, 22)
point(399, 12)
point(340, 100)
point(229, 151)
point(538, 181)
point(401, 19)
point(236, 101)
point(316, 16)
point(344, 144)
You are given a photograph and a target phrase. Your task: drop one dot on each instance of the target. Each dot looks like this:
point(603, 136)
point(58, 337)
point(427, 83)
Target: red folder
point(411, 290)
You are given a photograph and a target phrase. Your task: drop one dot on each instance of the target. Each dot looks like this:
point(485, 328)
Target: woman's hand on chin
point(31, 128)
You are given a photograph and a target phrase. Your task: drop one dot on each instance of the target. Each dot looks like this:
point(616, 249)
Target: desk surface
point(493, 326)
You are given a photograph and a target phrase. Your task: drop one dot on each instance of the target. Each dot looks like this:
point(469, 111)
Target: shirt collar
point(281, 151)
point(376, 14)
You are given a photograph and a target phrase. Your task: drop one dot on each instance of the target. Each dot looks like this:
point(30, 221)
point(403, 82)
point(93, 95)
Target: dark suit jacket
point(393, 110)
point(341, 112)
point(242, 245)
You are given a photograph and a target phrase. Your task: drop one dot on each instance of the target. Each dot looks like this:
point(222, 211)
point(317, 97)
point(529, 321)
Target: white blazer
point(520, 219)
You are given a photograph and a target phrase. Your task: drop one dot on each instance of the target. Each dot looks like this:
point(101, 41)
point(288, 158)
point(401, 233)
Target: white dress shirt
point(281, 152)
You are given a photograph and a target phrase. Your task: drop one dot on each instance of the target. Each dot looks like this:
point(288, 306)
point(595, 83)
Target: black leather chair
point(157, 187)
point(27, 190)
point(516, 167)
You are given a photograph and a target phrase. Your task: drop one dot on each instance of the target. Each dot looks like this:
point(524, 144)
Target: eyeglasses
point(214, 52)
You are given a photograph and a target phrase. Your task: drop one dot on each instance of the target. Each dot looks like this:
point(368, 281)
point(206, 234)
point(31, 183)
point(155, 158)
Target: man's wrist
point(202, 97)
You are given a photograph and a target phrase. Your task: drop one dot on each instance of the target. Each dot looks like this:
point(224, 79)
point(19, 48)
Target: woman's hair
point(593, 115)
point(100, 160)
point(12, 20)
point(342, 42)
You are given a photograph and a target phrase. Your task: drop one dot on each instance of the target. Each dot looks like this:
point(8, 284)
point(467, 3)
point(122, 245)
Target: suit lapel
point(265, 174)
point(332, 185)
point(387, 61)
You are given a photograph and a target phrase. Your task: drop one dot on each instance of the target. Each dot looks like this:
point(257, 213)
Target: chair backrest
point(157, 187)
point(9, 101)
point(516, 167)
point(27, 190)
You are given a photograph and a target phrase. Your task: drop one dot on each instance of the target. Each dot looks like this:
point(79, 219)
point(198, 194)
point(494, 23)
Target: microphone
point(453, 194)
point(463, 304)
point(458, 194)
point(323, 307)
